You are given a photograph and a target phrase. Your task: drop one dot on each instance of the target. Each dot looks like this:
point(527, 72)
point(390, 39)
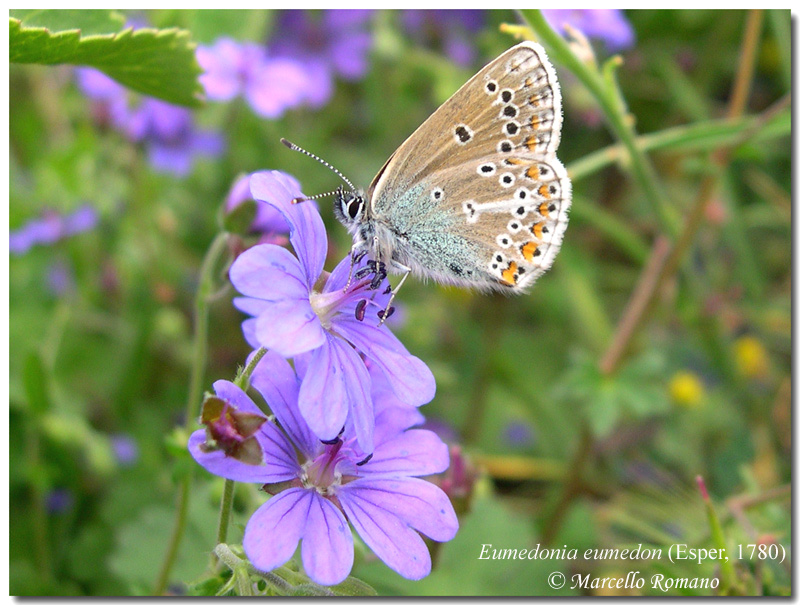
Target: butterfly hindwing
point(476, 196)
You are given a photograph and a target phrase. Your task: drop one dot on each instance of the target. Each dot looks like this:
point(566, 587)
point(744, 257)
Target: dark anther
point(361, 309)
point(364, 461)
point(388, 289)
point(333, 441)
point(385, 314)
point(357, 256)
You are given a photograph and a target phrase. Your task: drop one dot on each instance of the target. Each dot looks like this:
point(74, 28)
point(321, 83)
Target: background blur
point(574, 419)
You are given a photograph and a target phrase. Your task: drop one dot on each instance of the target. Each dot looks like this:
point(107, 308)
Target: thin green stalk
point(606, 90)
point(204, 290)
point(242, 381)
point(701, 136)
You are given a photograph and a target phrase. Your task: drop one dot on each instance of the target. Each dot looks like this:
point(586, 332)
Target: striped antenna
point(294, 147)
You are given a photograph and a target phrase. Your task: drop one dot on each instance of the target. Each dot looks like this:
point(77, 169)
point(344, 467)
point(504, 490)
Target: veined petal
point(290, 328)
point(270, 273)
point(327, 549)
point(306, 229)
point(418, 503)
point(389, 537)
point(236, 397)
point(335, 382)
point(251, 306)
point(274, 378)
point(415, 453)
point(409, 377)
point(277, 466)
point(274, 530)
point(249, 332)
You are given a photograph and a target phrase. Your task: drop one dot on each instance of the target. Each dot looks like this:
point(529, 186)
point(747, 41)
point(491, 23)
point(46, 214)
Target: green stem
point(242, 381)
point(225, 512)
point(606, 90)
point(204, 290)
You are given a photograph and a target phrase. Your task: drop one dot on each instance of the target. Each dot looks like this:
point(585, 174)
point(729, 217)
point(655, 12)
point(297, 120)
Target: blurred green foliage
point(112, 354)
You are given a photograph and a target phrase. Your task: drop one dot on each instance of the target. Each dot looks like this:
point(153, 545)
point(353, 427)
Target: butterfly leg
point(357, 252)
point(387, 312)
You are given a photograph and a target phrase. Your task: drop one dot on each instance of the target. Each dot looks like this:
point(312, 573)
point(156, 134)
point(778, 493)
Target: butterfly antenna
point(294, 147)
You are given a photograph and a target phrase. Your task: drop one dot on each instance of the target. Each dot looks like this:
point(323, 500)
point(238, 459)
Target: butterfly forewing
point(482, 173)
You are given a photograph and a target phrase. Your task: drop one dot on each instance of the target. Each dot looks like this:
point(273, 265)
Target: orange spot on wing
point(535, 122)
point(537, 230)
point(514, 161)
point(544, 191)
point(533, 173)
point(528, 251)
point(510, 274)
point(544, 209)
point(531, 142)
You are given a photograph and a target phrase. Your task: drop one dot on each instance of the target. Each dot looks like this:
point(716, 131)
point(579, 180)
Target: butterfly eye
point(354, 207)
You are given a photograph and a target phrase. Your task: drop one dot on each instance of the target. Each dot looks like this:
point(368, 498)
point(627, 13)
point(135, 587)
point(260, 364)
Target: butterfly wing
point(476, 196)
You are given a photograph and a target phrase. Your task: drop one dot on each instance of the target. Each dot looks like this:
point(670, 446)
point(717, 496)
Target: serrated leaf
point(159, 63)
point(90, 22)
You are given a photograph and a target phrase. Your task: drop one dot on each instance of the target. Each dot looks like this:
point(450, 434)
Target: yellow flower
point(751, 357)
point(686, 389)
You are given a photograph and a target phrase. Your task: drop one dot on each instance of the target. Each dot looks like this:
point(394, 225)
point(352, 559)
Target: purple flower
point(270, 85)
point(297, 315)
point(268, 220)
point(59, 501)
point(52, 227)
point(334, 42)
point(609, 25)
point(125, 449)
point(323, 486)
point(169, 134)
point(453, 30)
point(519, 434)
point(167, 131)
point(60, 279)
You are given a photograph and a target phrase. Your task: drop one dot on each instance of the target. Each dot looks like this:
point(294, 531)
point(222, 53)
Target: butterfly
point(476, 196)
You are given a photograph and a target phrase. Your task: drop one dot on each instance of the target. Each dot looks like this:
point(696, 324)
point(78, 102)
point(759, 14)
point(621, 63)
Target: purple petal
point(306, 229)
point(409, 377)
point(290, 328)
point(389, 537)
point(327, 543)
point(335, 382)
point(274, 530)
point(270, 273)
point(418, 503)
point(277, 85)
point(249, 332)
point(235, 396)
point(275, 379)
point(169, 158)
point(415, 453)
point(277, 465)
point(207, 142)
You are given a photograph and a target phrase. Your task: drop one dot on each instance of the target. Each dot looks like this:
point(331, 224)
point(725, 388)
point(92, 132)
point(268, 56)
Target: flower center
point(324, 305)
point(321, 474)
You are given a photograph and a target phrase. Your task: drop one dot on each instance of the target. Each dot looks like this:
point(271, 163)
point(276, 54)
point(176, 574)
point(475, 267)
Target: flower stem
point(204, 290)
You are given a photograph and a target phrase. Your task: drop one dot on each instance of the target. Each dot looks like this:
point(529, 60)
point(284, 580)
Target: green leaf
point(89, 22)
point(159, 63)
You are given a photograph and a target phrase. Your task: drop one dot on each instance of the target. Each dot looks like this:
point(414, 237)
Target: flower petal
point(389, 537)
point(409, 377)
point(236, 397)
point(327, 549)
point(274, 530)
point(270, 273)
point(415, 453)
point(275, 379)
point(290, 328)
point(419, 503)
point(277, 465)
point(335, 382)
point(306, 229)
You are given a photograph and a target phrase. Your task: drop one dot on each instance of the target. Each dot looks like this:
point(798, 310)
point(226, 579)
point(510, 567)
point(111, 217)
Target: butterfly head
point(349, 207)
